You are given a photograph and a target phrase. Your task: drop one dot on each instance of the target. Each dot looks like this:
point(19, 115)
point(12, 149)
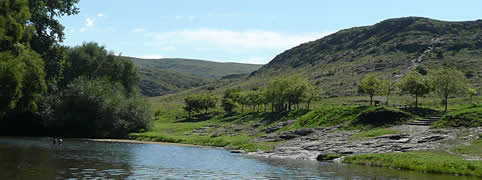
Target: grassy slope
point(339, 61)
point(165, 76)
point(201, 68)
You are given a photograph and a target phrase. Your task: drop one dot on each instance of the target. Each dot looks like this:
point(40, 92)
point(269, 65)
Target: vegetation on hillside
point(164, 76)
point(391, 48)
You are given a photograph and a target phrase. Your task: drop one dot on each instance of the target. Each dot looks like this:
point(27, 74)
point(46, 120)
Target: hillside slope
point(202, 68)
point(392, 48)
point(165, 76)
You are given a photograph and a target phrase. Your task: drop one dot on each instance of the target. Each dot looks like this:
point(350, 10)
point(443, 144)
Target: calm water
point(37, 158)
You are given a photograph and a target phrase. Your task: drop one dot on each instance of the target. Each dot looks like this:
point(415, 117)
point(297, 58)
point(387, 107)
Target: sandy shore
point(145, 142)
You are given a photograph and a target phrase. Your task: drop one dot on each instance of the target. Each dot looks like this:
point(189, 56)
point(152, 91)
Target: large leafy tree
point(415, 84)
point(49, 33)
point(446, 82)
point(21, 69)
point(93, 61)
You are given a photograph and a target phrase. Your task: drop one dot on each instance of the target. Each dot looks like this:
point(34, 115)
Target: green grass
point(471, 116)
point(432, 162)
point(374, 133)
point(352, 117)
point(474, 149)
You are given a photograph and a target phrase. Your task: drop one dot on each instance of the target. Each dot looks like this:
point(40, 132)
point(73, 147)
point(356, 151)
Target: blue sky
point(248, 31)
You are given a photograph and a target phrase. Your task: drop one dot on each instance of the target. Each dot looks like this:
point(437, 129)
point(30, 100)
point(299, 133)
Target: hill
point(164, 76)
point(392, 48)
point(202, 68)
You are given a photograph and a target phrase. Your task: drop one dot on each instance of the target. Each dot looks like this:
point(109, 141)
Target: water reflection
point(37, 158)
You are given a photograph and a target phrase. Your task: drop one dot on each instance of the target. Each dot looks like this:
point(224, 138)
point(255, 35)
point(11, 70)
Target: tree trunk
point(309, 105)
point(387, 99)
point(371, 100)
point(189, 115)
point(242, 108)
point(446, 102)
point(416, 101)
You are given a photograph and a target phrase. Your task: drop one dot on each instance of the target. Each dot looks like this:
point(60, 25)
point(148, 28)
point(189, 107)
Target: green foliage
point(468, 117)
point(199, 102)
point(13, 24)
point(371, 86)
point(48, 33)
point(416, 85)
point(471, 92)
point(432, 162)
point(22, 78)
point(98, 108)
point(446, 82)
point(94, 61)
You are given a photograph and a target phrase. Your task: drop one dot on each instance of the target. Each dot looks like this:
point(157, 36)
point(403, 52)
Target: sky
point(247, 31)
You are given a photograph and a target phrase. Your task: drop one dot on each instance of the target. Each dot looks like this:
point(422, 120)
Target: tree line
point(281, 94)
point(50, 89)
point(442, 82)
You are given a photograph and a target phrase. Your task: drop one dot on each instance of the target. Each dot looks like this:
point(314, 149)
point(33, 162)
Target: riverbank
point(145, 142)
point(328, 132)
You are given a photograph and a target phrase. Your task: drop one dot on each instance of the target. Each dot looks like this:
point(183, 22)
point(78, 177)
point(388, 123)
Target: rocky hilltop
point(392, 47)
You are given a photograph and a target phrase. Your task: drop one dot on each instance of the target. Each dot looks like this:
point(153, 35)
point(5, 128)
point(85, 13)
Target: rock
point(257, 125)
point(304, 132)
point(327, 157)
point(288, 135)
point(430, 138)
point(271, 129)
point(237, 151)
point(393, 136)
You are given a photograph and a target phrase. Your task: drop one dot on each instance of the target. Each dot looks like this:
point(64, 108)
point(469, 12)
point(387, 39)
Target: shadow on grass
point(422, 112)
point(198, 117)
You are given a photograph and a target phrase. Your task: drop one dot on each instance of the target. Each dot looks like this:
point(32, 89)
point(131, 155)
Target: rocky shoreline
point(319, 143)
point(316, 143)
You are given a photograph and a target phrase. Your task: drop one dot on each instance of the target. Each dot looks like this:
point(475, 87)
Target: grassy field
point(425, 161)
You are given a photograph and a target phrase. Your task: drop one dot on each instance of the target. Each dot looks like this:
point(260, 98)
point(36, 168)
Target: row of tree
point(443, 82)
point(282, 94)
point(49, 89)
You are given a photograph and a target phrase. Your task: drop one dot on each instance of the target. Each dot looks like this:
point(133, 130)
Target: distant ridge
point(171, 75)
point(391, 48)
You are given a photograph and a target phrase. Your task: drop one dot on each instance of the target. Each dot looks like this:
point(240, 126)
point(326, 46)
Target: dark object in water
point(57, 141)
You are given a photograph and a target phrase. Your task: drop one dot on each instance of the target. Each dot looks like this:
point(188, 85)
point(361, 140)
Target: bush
point(99, 109)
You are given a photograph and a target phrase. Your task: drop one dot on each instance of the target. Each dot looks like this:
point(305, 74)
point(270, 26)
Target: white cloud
point(150, 56)
point(89, 22)
point(100, 15)
point(138, 30)
point(239, 39)
point(83, 29)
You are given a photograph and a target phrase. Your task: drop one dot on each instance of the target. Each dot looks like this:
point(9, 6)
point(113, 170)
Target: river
point(38, 158)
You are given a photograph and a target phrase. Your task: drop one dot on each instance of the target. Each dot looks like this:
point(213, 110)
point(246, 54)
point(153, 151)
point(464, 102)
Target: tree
point(387, 87)
point(313, 94)
point(471, 92)
point(370, 85)
point(199, 102)
point(415, 84)
point(98, 108)
point(229, 99)
point(446, 82)
point(49, 33)
point(94, 61)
